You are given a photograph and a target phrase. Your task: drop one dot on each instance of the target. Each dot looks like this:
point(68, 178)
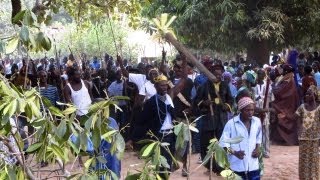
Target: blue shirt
point(95, 65)
point(317, 78)
point(235, 128)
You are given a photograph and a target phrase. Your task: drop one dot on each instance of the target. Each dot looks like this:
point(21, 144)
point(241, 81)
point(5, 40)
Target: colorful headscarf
point(160, 78)
point(244, 102)
point(313, 89)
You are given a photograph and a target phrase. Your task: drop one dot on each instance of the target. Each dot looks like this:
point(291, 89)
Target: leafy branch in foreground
point(53, 128)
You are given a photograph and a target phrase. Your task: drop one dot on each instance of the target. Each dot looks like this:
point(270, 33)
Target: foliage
point(231, 25)
point(95, 40)
point(51, 139)
point(154, 162)
point(220, 155)
point(29, 35)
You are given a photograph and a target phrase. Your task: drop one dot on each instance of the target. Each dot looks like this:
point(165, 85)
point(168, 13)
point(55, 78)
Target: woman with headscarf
point(284, 129)
point(227, 77)
point(309, 136)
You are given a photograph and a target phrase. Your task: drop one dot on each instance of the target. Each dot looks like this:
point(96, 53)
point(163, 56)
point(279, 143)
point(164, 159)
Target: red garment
point(286, 102)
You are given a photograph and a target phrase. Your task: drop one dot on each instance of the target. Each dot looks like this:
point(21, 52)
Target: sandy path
point(282, 164)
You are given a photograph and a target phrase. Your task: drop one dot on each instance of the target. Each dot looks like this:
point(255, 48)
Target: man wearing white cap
point(243, 157)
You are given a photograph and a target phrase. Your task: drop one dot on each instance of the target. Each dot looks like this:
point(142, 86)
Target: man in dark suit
point(214, 100)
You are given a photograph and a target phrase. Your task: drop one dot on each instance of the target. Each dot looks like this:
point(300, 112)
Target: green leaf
point(221, 157)
point(149, 149)
point(28, 111)
point(96, 138)
point(24, 33)
point(133, 176)
point(18, 17)
point(83, 141)
point(120, 143)
point(20, 174)
point(178, 128)
point(34, 147)
point(69, 110)
point(55, 111)
point(46, 43)
point(11, 172)
point(164, 162)
point(226, 173)
point(12, 45)
point(58, 151)
point(102, 160)
point(113, 175)
point(61, 129)
point(88, 163)
point(194, 129)
point(108, 134)
point(234, 140)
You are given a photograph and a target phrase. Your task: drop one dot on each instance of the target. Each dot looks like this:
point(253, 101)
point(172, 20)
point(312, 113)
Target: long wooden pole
point(190, 58)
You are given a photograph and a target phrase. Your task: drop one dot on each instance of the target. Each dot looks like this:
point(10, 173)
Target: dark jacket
point(150, 119)
point(218, 120)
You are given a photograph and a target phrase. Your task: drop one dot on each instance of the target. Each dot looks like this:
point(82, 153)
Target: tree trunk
point(258, 52)
point(190, 58)
point(16, 8)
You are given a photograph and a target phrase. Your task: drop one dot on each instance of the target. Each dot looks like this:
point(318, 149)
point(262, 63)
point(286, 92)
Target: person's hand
point(256, 153)
point(239, 154)
point(164, 53)
point(206, 102)
point(281, 115)
point(187, 111)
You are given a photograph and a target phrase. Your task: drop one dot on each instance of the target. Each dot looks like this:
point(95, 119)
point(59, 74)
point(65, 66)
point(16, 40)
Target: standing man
point(214, 100)
point(117, 89)
point(263, 98)
point(46, 90)
point(78, 92)
point(243, 156)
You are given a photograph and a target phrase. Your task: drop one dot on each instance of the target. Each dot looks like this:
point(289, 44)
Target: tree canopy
point(256, 27)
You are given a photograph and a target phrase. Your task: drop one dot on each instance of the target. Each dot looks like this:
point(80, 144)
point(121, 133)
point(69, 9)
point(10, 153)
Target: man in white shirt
point(243, 156)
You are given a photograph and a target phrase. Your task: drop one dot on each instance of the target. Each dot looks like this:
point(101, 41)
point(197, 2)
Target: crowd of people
point(275, 102)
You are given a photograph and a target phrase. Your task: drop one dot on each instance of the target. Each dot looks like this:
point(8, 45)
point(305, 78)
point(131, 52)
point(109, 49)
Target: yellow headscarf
point(159, 78)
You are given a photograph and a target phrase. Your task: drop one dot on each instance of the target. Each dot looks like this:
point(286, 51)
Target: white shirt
point(148, 90)
point(235, 128)
point(138, 79)
point(7, 67)
point(81, 99)
point(167, 124)
point(116, 89)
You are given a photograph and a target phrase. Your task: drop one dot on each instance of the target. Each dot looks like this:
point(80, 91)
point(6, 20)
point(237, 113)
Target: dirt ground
point(282, 164)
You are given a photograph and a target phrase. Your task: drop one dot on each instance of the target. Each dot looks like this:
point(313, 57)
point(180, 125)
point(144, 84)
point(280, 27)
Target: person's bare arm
point(67, 94)
point(125, 73)
point(89, 89)
point(163, 68)
point(180, 86)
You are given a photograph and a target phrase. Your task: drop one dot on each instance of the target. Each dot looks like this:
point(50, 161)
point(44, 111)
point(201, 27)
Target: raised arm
point(173, 92)
point(125, 73)
point(163, 68)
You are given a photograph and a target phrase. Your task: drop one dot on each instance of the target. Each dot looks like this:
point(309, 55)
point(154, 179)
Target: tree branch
point(11, 148)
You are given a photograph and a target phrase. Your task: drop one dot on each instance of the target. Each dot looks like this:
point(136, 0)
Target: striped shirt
point(51, 93)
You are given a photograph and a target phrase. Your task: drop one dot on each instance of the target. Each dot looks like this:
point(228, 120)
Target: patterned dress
point(308, 143)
